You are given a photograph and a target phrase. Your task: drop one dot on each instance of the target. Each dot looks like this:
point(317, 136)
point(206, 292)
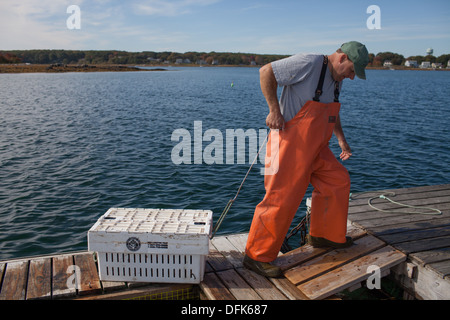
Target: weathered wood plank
point(417, 234)
point(63, 277)
point(307, 252)
point(14, 281)
point(217, 261)
point(265, 289)
point(288, 289)
point(237, 286)
point(332, 260)
point(214, 289)
point(443, 267)
point(39, 279)
point(148, 292)
point(239, 241)
point(436, 255)
point(377, 219)
point(423, 245)
point(89, 282)
point(369, 213)
point(413, 225)
point(361, 198)
point(351, 273)
point(229, 251)
point(298, 256)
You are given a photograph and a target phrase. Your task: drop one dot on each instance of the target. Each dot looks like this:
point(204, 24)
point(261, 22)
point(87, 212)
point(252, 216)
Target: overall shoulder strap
point(321, 79)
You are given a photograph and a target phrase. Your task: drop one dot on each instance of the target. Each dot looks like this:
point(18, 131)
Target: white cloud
point(169, 8)
point(37, 25)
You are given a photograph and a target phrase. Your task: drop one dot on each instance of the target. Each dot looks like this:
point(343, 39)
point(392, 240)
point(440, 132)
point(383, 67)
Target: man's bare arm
point(339, 133)
point(269, 87)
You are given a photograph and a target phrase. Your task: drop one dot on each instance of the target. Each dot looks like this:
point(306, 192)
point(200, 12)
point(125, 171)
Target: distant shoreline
point(59, 68)
point(406, 68)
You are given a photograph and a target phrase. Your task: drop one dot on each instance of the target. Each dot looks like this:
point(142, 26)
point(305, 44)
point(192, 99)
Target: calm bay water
point(73, 145)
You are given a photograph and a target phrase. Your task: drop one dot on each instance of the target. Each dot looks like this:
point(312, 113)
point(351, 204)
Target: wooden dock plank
point(424, 244)
point(239, 241)
point(351, 273)
point(436, 255)
point(409, 226)
point(392, 223)
point(263, 287)
point(424, 193)
point(416, 234)
point(375, 219)
point(145, 292)
point(39, 279)
point(332, 259)
point(360, 198)
point(307, 252)
point(63, 277)
point(14, 281)
point(229, 251)
point(214, 289)
point(443, 267)
point(288, 289)
point(430, 197)
point(240, 289)
point(217, 261)
point(89, 282)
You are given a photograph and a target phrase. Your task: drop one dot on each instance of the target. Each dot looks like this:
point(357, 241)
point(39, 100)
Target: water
point(73, 145)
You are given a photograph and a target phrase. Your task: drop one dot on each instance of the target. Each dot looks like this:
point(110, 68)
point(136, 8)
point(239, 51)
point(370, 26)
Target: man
point(307, 115)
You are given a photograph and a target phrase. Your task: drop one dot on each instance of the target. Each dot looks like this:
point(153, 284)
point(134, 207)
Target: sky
point(249, 26)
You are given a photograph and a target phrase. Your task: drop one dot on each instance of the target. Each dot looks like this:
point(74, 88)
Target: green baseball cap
point(358, 54)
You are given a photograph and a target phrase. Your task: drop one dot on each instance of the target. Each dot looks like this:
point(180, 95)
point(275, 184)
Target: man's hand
point(275, 120)
point(346, 151)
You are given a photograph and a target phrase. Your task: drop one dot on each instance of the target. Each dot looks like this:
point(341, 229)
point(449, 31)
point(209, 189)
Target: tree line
point(134, 58)
point(399, 60)
point(158, 58)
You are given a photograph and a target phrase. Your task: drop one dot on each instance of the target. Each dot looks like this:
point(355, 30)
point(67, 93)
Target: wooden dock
point(425, 239)
point(414, 248)
point(309, 273)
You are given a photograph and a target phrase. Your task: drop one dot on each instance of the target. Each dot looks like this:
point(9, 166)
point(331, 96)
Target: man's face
point(345, 69)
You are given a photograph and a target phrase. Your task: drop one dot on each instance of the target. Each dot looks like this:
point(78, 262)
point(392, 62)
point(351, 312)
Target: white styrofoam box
point(151, 245)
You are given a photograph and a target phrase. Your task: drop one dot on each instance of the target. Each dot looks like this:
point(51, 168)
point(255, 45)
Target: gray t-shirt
point(299, 76)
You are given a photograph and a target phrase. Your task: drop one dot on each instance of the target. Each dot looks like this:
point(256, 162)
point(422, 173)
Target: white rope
point(426, 210)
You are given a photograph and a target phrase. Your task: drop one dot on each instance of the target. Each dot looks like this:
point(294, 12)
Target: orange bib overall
point(304, 157)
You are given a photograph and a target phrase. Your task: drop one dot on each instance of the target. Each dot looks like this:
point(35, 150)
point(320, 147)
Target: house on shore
point(411, 64)
point(425, 65)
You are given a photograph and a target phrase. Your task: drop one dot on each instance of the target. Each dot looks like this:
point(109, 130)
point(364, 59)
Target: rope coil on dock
point(384, 196)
